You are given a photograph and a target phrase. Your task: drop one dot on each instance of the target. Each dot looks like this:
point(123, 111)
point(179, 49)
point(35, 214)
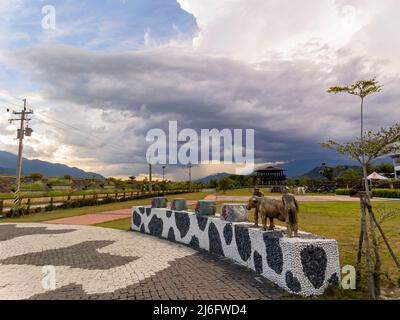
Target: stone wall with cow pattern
point(307, 265)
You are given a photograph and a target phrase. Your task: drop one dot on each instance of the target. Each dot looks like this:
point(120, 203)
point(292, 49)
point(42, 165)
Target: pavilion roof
point(268, 168)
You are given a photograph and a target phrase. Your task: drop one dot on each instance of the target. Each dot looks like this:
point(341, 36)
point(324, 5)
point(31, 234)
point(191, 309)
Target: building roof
point(268, 168)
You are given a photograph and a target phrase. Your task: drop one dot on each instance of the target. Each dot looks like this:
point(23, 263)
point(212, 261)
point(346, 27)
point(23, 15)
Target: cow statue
point(285, 210)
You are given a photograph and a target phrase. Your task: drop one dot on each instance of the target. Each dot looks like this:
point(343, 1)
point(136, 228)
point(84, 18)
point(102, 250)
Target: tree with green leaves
point(382, 168)
point(225, 184)
point(350, 175)
point(327, 172)
point(361, 89)
point(36, 176)
point(370, 146)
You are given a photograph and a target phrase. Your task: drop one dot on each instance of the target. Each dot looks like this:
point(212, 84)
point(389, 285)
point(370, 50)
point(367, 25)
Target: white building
point(396, 164)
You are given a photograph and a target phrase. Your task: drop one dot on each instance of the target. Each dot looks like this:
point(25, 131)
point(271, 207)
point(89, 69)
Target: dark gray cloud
point(284, 101)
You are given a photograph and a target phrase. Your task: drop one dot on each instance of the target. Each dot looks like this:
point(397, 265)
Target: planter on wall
point(307, 265)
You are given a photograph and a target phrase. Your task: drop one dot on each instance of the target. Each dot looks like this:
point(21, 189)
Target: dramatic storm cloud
point(256, 64)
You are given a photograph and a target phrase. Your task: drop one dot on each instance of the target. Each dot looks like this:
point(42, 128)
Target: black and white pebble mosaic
point(307, 265)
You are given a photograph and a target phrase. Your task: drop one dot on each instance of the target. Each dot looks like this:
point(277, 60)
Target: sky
point(111, 70)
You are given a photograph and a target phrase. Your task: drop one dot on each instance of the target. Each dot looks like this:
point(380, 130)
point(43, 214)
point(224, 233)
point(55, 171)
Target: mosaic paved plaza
point(98, 263)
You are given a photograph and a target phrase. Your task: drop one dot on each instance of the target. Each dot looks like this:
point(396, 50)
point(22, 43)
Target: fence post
point(29, 205)
point(1, 207)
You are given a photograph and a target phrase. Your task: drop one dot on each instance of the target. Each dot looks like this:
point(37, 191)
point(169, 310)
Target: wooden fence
point(52, 202)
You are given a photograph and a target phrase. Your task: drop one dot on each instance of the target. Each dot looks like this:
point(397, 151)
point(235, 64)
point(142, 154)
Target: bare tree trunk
point(371, 283)
point(378, 263)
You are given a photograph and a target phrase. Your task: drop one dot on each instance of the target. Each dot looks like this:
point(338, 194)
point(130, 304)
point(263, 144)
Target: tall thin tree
point(362, 89)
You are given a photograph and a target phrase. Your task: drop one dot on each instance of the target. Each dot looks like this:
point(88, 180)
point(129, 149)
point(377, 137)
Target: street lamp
point(190, 177)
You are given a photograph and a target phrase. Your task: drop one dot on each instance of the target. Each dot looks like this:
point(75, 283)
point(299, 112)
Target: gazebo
point(376, 177)
point(270, 176)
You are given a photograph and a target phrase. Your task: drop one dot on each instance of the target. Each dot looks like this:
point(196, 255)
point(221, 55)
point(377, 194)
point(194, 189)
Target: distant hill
point(8, 163)
point(298, 168)
point(314, 174)
point(216, 176)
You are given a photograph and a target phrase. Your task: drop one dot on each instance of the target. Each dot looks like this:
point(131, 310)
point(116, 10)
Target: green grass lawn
point(121, 224)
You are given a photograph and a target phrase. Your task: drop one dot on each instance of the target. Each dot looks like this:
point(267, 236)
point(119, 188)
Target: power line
point(83, 134)
point(115, 147)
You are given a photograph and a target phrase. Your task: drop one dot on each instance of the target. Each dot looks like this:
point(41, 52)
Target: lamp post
point(190, 177)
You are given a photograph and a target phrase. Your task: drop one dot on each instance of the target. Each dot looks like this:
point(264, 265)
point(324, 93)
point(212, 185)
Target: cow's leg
point(256, 217)
point(271, 224)
point(296, 230)
point(264, 221)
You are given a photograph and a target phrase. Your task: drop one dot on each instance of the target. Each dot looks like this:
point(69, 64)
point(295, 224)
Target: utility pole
point(190, 177)
point(163, 173)
point(21, 133)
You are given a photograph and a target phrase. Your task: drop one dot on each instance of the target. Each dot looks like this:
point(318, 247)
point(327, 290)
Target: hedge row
point(379, 193)
point(386, 193)
point(344, 192)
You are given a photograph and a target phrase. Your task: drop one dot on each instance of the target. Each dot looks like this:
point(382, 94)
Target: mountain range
point(217, 176)
point(306, 168)
point(8, 164)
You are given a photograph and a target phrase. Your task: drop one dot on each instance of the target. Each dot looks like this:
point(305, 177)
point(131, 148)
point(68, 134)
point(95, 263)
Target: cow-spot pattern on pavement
point(99, 263)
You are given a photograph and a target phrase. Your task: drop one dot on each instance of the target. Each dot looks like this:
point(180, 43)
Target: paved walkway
point(94, 218)
point(100, 263)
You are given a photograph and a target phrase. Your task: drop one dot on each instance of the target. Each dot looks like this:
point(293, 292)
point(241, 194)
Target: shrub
point(36, 176)
point(379, 193)
point(343, 192)
point(386, 193)
point(59, 182)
